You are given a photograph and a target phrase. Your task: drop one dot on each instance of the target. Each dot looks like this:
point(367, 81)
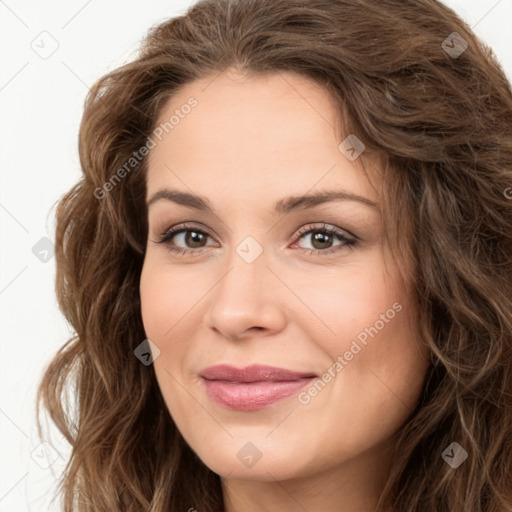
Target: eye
point(190, 235)
point(322, 239)
point(188, 238)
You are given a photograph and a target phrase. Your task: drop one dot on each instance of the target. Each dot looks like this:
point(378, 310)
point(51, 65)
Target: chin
point(253, 458)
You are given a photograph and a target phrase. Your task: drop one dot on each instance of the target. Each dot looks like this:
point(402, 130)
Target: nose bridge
point(245, 297)
point(244, 284)
point(247, 269)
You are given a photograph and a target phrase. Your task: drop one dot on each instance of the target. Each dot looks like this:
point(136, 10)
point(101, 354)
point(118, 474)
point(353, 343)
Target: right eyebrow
point(183, 198)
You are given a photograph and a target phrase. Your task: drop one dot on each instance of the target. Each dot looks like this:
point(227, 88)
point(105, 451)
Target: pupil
point(321, 238)
point(193, 237)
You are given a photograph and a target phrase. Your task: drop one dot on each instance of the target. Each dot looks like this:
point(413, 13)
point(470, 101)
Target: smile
point(252, 388)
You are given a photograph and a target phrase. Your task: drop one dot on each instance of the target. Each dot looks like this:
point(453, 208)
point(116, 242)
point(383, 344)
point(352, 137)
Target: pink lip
point(253, 387)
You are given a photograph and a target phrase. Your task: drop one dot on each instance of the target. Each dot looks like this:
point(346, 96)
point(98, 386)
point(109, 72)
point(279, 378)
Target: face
point(238, 273)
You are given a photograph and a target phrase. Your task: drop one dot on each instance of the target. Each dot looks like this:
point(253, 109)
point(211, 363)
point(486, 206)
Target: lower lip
point(251, 396)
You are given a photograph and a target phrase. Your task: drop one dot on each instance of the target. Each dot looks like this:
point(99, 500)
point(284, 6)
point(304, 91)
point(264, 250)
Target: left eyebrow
point(282, 207)
point(309, 201)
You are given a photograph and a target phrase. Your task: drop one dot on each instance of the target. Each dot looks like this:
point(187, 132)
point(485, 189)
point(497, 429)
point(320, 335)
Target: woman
point(288, 267)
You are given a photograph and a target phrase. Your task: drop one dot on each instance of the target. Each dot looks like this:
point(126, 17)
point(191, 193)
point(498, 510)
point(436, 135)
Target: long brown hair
point(439, 112)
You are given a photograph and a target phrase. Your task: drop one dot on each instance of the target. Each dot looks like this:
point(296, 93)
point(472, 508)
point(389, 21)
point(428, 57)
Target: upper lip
point(253, 373)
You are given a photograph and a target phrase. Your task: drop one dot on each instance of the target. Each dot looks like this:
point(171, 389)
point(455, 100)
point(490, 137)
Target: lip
point(253, 387)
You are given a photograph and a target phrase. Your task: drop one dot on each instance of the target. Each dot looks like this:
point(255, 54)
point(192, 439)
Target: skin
point(248, 143)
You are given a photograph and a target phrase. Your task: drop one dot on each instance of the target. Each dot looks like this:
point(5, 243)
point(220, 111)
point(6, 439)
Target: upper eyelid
point(325, 226)
point(308, 228)
point(184, 226)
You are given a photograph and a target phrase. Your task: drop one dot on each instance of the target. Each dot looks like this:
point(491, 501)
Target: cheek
point(154, 302)
point(166, 298)
point(354, 303)
point(371, 327)
point(164, 307)
point(161, 304)
point(172, 310)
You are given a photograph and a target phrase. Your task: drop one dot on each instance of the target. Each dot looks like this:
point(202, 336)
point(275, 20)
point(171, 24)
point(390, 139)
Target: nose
point(246, 302)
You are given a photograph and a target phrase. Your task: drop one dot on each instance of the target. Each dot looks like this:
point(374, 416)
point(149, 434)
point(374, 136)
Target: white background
point(41, 101)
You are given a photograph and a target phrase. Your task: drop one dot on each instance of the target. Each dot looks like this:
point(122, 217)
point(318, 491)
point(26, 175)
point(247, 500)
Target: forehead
point(258, 133)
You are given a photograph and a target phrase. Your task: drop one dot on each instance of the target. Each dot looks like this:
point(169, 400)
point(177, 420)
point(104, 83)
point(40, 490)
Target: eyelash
point(346, 240)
